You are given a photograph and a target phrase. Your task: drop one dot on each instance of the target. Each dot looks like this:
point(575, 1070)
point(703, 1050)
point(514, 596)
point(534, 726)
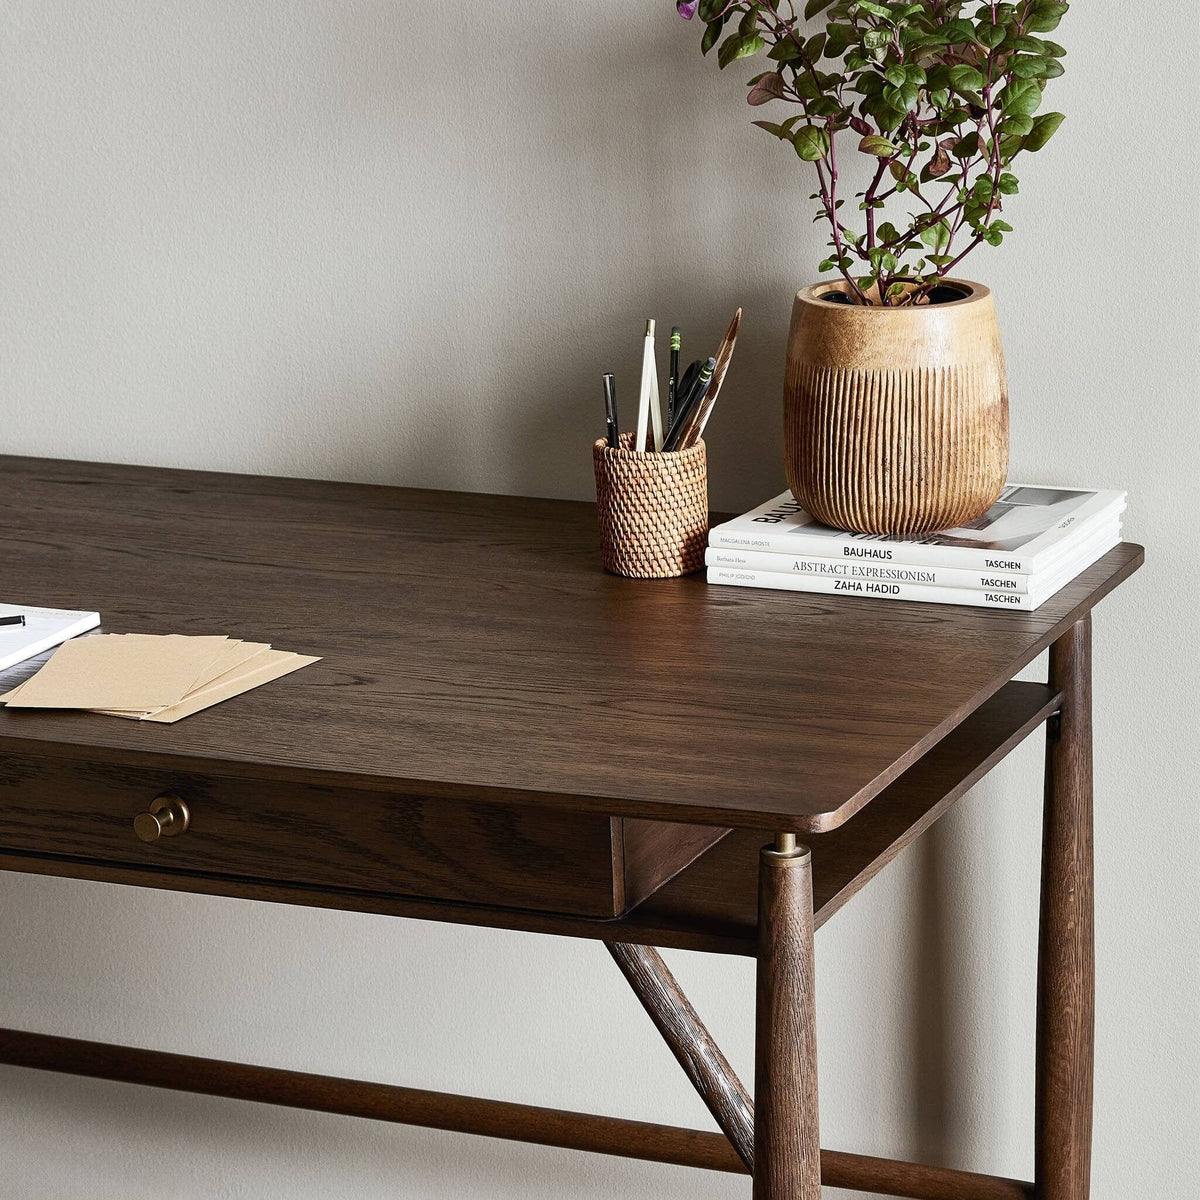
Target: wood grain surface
point(702, 1060)
point(713, 905)
point(472, 647)
point(787, 1140)
point(467, 1114)
point(1066, 996)
point(586, 864)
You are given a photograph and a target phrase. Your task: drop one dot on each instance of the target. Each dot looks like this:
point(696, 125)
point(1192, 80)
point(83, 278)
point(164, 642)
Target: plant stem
point(832, 210)
point(827, 108)
point(869, 198)
point(951, 265)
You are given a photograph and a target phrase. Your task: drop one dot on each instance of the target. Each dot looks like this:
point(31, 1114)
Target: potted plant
point(895, 400)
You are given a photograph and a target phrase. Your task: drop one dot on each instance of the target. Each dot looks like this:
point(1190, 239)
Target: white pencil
point(649, 409)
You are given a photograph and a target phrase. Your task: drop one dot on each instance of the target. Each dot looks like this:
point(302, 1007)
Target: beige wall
point(392, 241)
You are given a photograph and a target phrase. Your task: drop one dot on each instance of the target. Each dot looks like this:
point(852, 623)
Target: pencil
point(649, 411)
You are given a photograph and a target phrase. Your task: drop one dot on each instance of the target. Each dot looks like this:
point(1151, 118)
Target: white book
point(44, 628)
point(879, 590)
point(1028, 527)
point(1077, 555)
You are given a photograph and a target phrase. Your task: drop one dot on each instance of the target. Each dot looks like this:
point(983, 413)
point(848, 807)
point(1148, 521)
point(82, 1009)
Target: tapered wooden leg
point(1066, 945)
point(787, 1146)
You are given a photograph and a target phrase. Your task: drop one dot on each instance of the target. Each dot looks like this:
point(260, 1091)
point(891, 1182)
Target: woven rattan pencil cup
point(653, 509)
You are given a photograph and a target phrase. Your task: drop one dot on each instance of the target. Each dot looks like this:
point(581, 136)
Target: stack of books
point(1031, 543)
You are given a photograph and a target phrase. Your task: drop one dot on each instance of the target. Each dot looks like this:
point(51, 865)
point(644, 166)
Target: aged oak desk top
point(470, 642)
point(474, 653)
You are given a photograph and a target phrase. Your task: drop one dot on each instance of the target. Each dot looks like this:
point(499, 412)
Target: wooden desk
point(500, 734)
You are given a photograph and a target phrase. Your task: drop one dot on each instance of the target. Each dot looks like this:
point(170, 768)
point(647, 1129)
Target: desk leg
point(1066, 944)
point(787, 1146)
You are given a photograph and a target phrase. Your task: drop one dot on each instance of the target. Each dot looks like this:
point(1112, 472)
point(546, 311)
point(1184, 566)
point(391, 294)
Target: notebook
point(44, 629)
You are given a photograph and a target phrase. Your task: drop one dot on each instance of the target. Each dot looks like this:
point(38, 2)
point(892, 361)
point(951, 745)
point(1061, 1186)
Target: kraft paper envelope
point(125, 671)
point(233, 654)
point(12, 697)
point(264, 667)
point(228, 654)
point(235, 657)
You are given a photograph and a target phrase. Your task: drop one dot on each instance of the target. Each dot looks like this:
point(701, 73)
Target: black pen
point(695, 390)
point(17, 620)
point(610, 410)
point(683, 390)
point(683, 387)
point(688, 406)
point(673, 378)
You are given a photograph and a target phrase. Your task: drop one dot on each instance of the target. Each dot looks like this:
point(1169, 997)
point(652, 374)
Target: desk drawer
point(341, 838)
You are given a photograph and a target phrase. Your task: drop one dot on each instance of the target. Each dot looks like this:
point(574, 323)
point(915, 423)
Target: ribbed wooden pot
point(895, 419)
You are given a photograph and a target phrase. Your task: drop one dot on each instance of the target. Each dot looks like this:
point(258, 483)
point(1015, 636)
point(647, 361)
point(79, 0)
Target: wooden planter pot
point(895, 419)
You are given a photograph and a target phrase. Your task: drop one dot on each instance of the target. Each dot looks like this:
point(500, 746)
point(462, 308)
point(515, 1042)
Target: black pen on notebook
point(610, 410)
point(19, 619)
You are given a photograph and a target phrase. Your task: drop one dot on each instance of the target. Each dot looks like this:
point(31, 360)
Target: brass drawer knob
point(168, 816)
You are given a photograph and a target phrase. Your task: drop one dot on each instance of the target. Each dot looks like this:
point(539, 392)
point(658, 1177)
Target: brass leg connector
point(786, 845)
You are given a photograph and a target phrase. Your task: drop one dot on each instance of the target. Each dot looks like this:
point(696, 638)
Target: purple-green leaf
point(811, 143)
point(766, 87)
point(960, 91)
point(880, 147)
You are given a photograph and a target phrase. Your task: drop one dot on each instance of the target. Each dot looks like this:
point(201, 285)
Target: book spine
point(836, 568)
point(859, 550)
point(796, 543)
point(871, 589)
